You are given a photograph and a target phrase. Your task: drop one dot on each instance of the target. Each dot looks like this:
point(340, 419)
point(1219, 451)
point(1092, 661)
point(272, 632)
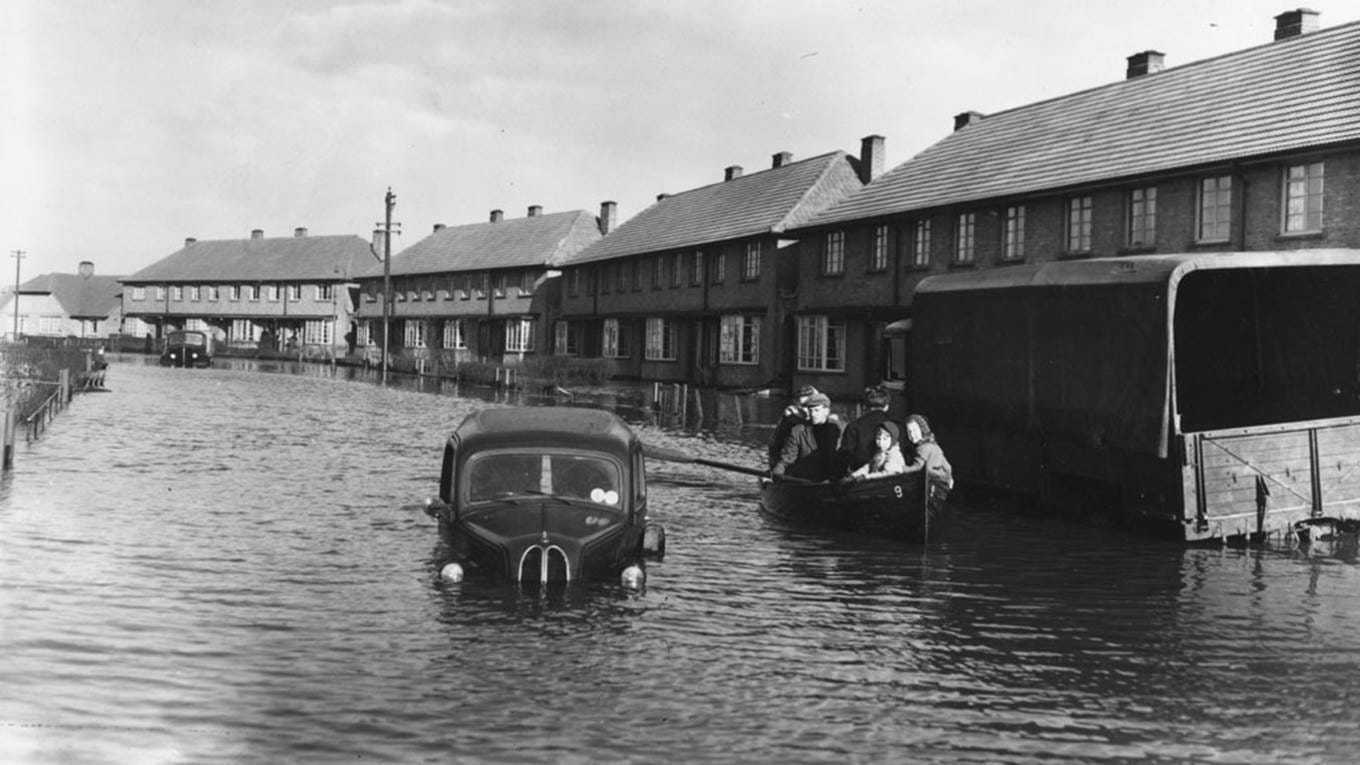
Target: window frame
point(1013, 234)
point(1222, 207)
point(878, 250)
point(1307, 215)
point(920, 244)
point(739, 339)
point(816, 333)
point(750, 262)
point(965, 239)
point(662, 339)
point(833, 254)
point(1080, 224)
point(1141, 219)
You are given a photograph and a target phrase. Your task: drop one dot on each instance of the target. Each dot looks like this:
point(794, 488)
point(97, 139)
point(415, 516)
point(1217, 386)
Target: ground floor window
point(740, 340)
point(821, 344)
point(519, 335)
point(616, 340)
point(415, 334)
point(661, 340)
point(565, 340)
point(196, 325)
point(242, 331)
point(454, 334)
point(49, 325)
point(317, 332)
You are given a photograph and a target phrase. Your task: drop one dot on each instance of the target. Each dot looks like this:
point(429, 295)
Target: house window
point(1013, 243)
point(252, 292)
point(621, 278)
point(324, 292)
point(372, 332)
point(498, 283)
point(234, 292)
point(242, 331)
point(176, 293)
point(878, 256)
point(964, 251)
point(719, 268)
point(138, 294)
point(677, 266)
point(573, 283)
point(519, 335)
point(197, 325)
point(160, 293)
point(1143, 217)
point(479, 281)
point(833, 255)
point(636, 266)
point(295, 293)
point(194, 293)
point(750, 264)
point(564, 339)
point(49, 325)
point(317, 332)
point(661, 334)
point(214, 293)
point(739, 342)
point(1303, 198)
point(454, 337)
point(526, 282)
point(1079, 224)
point(658, 264)
point(696, 271)
point(415, 334)
point(821, 344)
point(606, 278)
point(920, 245)
point(1215, 209)
point(616, 340)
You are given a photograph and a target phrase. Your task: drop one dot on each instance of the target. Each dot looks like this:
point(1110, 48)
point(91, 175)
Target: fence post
point(7, 441)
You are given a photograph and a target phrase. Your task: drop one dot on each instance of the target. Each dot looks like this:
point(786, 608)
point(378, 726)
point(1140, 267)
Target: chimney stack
point(85, 269)
point(661, 196)
point(870, 157)
point(438, 227)
point(299, 232)
point(781, 158)
point(609, 213)
point(535, 211)
point(1296, 22)
point(379, 238)
point(1147, 62)
point(964, 119)
point(731, 172)
point(496, 216)
point(257, 233)
point(188, 240)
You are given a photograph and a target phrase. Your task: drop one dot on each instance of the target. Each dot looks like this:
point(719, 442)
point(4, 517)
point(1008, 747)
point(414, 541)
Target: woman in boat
point(887, 459)
point(929, 456)
point(810, 452)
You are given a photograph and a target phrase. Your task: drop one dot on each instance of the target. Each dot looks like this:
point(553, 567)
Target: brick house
point(694, 288)
point(1253, 150)
point(80, 305)
point(288, 294)
point(476, 292)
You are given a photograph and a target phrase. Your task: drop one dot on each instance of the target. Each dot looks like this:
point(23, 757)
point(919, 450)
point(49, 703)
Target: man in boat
point(858, 441)
point(793, 414)
point(810, 452)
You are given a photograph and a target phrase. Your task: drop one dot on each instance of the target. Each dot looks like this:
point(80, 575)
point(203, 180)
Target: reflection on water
point(223, 566)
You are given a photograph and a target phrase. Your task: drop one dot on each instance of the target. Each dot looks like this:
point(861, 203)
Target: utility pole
point(387, 228)
point(18, 256)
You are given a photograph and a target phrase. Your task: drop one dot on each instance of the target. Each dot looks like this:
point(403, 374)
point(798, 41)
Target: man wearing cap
point(857, 443)
point(809, 452)
point(793, 414)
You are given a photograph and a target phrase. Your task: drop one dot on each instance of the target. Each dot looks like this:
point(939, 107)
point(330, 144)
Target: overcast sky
point(131, 125)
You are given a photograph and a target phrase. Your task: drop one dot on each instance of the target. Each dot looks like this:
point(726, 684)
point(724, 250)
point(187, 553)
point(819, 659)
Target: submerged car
point(545, 494)
point(187, 348)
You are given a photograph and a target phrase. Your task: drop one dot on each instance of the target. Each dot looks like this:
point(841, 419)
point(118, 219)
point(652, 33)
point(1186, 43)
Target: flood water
point(227, 565)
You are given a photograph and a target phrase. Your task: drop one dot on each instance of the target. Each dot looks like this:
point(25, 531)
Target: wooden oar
point(672, 455)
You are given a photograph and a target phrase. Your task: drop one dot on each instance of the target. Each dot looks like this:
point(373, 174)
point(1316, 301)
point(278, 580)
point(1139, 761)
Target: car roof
point(547, 426)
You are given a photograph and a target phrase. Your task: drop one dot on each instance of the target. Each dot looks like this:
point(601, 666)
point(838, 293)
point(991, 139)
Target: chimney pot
point(438, 227)
point(661, 196)
point(964, 119)
point(257, 233)
point(300, 232)
point(1147, 62)
point(609, 212)
point(188, 240)
point(497, 215)
point(535, 210)
point(379, 239)
point(781, 158)
point(870, 157)
point(1296, 22)
point(732, 172)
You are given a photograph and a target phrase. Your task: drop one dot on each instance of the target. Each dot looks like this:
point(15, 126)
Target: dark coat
point(857, 442)
point(810, 452)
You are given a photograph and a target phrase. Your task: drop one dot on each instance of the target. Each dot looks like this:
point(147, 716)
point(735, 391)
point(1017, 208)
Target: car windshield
point(498, 475)
point(188, 338)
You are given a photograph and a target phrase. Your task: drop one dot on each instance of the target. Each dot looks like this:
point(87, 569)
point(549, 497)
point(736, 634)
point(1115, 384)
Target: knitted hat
point(817, 399)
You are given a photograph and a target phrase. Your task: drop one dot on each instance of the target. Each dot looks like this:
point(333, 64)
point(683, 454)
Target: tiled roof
point(80, 297)
point(298, 258)
point(769, 201)
point(537, 240)
point(1292, 94)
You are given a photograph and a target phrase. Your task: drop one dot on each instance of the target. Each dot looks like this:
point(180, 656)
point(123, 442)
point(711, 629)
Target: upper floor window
point(214, 293)
point(160, 293)
point(833, 255)
point(1143, 217)
point(658, 266)
point(719, 268)
point(295, 293)
point(636, 267)
point(139, 293)
point(920, 244)
point(1214, 215)
point(574, 282)
point(964, 239)
point(194, 293)
point(498, 283)
point(1013, 241)
point(696, 271)
point(527, 278)
point(324, 292)
point(1079, 224)
point(234, 292)
point(176, 293)
point(878, 256)
point(621, 276)
point(1303, 198)
point(479, 281)
point(252, 292)
point(677, 269)
point(750, 264)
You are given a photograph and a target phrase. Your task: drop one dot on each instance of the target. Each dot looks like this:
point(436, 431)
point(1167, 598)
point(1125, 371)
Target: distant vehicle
point(545, 494)
point(187, 348)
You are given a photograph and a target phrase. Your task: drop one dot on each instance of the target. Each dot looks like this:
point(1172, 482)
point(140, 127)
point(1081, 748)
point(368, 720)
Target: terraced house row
point(792, 274)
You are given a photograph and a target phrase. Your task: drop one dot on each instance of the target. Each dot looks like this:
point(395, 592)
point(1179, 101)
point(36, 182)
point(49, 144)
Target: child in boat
point(929, 456)
point(887, 459)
